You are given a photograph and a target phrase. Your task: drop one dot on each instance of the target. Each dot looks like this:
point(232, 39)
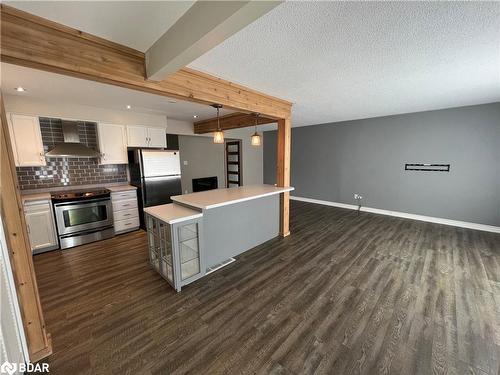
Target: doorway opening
point(234, 176)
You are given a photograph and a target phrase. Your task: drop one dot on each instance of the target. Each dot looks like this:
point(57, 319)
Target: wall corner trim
point(430, 219)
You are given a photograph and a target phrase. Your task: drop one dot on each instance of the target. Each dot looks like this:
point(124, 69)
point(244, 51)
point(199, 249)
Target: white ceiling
point(348, 60)
point(63, 89)
point(334, 60)
point(137, 24)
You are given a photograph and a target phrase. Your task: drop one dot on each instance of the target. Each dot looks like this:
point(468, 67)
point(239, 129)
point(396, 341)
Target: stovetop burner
point(79, 194)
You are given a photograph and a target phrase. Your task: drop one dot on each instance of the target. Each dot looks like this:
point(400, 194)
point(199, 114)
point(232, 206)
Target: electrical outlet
point(357, 196)
point(185, 162)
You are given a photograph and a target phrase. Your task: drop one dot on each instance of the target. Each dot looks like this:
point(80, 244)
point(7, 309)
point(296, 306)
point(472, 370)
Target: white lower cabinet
point(175, 250)
point(41, 226)
point(125, 211)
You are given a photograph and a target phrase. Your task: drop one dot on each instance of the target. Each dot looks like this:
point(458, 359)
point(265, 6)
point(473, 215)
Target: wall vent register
point(428, 167)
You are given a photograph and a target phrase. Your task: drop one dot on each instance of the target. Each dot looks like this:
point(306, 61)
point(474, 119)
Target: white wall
point(179, 127)
point(31, 106)
point(13, 346)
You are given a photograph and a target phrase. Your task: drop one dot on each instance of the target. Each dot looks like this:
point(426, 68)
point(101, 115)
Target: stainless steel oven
point(83, 217)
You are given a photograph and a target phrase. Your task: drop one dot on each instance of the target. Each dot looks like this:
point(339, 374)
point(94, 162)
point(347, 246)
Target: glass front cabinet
point(175, 250)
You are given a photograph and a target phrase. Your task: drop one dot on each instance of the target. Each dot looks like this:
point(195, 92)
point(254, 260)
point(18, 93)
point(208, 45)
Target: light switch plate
point(185, 162)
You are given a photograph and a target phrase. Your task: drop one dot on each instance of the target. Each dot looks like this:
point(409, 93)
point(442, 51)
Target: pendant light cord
point(218, 120)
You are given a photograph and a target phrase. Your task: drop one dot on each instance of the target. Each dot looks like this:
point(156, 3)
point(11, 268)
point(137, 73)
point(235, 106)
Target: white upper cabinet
point(26, 140)
point(137, 136)
point(112, 143)
point(142, 136)
point(157, 137)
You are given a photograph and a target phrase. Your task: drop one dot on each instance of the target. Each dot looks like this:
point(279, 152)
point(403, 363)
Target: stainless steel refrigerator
point(157, 176)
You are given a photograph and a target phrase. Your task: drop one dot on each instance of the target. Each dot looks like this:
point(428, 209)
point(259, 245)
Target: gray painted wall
point(333, 161)
point(204, 159)
point(231, 230)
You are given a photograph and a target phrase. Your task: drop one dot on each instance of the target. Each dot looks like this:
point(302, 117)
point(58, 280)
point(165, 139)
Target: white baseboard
point(430, 219)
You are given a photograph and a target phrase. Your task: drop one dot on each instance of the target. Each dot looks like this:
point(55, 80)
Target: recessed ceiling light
point(20, 89)
point(172, 101)
point(129, 106)
point(195, 116)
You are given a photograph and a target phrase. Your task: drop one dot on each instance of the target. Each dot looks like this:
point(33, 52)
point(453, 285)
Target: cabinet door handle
point(28, 228)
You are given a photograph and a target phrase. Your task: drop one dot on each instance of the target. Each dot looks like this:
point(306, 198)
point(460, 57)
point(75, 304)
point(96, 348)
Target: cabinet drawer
point(121, 195)
point(37, 206)
point(126, 214)
point(124, 205)
point(127, 224)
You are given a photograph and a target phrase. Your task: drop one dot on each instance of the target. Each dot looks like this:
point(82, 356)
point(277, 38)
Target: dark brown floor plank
point(346, 293)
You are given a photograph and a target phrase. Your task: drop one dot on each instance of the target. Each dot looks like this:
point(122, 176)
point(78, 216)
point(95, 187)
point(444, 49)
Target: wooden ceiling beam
point(35, 42)
point(231, 121)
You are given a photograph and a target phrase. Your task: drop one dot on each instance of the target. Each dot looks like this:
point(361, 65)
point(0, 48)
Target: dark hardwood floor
point(344, 294)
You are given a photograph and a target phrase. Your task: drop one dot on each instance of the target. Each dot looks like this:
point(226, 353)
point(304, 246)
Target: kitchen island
point(223, 224)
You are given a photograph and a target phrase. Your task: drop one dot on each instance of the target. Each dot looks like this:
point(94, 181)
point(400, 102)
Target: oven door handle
point(82, 201)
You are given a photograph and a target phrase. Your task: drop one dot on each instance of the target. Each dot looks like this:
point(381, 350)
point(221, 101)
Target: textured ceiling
point(349, 60)
point(335, 60)
point(136, 24)
point(62, 89)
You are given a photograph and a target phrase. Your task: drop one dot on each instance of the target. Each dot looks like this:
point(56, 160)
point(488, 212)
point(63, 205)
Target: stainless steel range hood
point(71, 146)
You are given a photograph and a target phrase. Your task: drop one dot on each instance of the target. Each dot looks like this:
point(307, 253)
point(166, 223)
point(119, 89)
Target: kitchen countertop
point(114, 189)
point(221, 197)
point(35, 197)
point(111, 187)
point(173, 213)
point(73, 188)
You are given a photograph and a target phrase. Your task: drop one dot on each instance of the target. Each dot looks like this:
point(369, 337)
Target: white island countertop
point(172, 213)
point(205, 200)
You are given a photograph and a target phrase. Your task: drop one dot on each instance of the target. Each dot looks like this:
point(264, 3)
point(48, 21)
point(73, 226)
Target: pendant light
point(219, 134)
point(255, 140)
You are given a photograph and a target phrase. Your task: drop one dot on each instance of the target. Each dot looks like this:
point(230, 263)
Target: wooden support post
point(39, 343)
point(283, 172)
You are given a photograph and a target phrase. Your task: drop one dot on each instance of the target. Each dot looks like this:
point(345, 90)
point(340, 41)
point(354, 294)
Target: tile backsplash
point(69, 171)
